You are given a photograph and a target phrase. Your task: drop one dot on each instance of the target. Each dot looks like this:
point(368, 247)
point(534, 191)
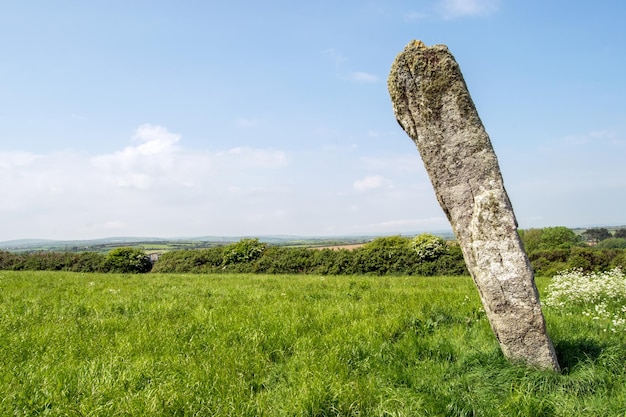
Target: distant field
point(337, 247)
point(249, 345)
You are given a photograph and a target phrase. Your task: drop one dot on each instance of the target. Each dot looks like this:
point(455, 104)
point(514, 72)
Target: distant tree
point(128, 260)
point(596, 234)
point(620, 233)
point(11, 261)
point(531, 238)
point(558, 237)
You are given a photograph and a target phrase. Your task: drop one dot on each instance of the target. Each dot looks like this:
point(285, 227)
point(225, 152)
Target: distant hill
point(164, 244)
point(25, 242)
point(49, 244)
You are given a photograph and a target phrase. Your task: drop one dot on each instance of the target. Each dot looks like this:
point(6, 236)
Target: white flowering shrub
point(600, 295)
point(428, 247)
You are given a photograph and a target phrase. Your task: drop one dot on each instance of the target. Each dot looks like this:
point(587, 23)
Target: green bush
point(334, 262)
point(88, 262)
point(191, 261)
point(619, 261)
point(246, 250)
point(531, 238)
point(280, 260)
point(588, 259)
point(612, 243)
point(550, 255)
point(128, 260)
point(452, 262)
point(385, 255)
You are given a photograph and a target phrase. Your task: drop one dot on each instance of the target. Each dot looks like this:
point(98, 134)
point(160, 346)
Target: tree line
point(550, 250)
point(554, 249)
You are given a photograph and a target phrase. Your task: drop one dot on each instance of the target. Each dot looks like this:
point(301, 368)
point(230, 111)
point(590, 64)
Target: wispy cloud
point(451, 9)
point(246, 122)
point(378, 134)
point(343, 72)
point(335, 56)
point(397, 164)
point(593, 140)
point(362, 77)
point(413, 15)
point(369, 182)
point(430, 223)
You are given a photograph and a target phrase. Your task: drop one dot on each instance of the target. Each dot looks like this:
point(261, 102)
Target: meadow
point(75, 344)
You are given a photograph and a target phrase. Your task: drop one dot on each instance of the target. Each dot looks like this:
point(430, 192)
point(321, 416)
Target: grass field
point(249, 345)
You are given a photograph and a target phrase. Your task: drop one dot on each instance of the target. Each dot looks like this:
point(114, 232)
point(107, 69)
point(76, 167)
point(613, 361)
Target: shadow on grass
point(572, 352)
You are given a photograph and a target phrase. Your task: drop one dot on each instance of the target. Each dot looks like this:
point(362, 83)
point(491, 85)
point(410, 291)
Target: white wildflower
point(601, 295)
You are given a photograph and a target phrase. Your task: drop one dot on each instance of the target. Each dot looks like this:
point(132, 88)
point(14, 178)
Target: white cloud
point(153, 184)
point(155, 140)
point(451, 9)
point(16, 159)
point(368, 183)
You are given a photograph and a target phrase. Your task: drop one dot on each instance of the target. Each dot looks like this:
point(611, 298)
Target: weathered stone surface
point(432, 104)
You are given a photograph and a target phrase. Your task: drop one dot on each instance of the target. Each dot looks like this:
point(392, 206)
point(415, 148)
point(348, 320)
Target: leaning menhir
point(432, 104)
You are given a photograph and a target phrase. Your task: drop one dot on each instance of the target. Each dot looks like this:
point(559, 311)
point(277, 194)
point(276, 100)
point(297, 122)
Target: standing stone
point(432, 104)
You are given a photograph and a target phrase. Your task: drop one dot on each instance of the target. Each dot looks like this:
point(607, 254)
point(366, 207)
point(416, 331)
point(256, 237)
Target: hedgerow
point(549, 262)
point(394, 255)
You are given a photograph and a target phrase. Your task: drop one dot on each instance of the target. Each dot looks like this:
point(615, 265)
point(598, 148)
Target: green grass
point(249, 345)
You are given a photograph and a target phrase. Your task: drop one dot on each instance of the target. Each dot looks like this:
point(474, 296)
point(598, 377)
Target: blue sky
point(194, 118)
